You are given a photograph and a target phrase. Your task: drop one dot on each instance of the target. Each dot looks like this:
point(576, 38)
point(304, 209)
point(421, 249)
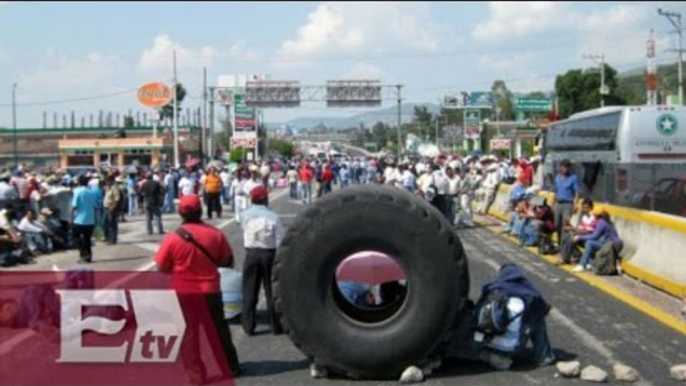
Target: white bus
point(626, 155)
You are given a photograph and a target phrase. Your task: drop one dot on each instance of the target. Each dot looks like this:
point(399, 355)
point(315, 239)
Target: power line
point(72, 100)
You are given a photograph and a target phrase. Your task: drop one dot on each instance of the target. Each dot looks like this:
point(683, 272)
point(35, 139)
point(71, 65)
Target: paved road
point(586, 324)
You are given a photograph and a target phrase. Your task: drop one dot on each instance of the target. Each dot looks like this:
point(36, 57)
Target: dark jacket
point(511, 281)
point(152, 193)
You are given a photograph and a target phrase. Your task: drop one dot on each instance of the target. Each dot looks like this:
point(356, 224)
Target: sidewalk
point(650, 301)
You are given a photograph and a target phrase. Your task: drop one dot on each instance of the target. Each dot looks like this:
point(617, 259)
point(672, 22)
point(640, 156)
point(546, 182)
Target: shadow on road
point(265, 368)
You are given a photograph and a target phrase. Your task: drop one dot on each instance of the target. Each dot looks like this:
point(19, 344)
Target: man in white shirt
point(470, 183)
point(425, 184)
point(292, 179)
point(442, 185)
point(265, 172)
point(226, 178)
point(36, 234)
point(186, 186)
point(409, 181)
point(489, 186)
point(262, 234)
point(7, 191)
point(454, 185)
point(390, 175)
point(238, 195)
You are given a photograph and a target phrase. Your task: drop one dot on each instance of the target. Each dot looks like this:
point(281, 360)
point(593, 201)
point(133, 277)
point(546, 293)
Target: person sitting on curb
point(605, 232)
point(584, 224)
point(37, 235)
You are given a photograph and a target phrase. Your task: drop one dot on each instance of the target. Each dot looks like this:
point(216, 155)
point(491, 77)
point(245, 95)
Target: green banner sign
point(533, 104)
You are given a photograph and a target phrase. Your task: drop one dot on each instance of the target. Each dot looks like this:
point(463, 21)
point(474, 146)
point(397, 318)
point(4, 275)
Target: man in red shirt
point(192, 255)
point(327, 178)
point(306, 175)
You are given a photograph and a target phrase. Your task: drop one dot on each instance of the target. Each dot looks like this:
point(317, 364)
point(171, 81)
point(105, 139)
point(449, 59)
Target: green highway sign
point(533, 104)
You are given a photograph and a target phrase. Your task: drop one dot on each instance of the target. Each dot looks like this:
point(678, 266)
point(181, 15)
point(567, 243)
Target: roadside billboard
point(154, 94)
point(471, 100)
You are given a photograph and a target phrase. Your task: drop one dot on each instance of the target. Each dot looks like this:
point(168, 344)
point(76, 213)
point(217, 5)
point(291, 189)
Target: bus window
point(586, 134)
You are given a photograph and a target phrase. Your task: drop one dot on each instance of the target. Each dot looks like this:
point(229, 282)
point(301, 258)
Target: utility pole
point(675, 19)
point(400, 101)
point(14, 124)
point(203, 126)
point(177, 161)
point(438, 116)
point(600, 59)
point(210, 125)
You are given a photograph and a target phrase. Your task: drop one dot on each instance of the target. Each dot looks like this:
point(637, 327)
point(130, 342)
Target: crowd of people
point(42, 212)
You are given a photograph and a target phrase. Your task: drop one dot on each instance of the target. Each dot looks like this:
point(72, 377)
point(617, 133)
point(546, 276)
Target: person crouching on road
point(192, 255)
point(262, 234)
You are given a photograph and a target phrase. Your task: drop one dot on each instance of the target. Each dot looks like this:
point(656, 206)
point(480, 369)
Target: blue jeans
point(307, 192)
point(150, 212)
point(111, 226)
point(168, 206)
point(516, 225)
point(133, 204)
point(543, 352)
point(590, 248)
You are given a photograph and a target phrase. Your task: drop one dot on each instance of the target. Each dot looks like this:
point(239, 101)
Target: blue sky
point(57, 51)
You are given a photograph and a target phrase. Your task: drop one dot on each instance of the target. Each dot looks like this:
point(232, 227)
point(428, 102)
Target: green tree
point(422, 122)
point(129, 122)
point(167, 111)
point(503, 100)
point(237, 155)
point(281, 147)
point(579, 90)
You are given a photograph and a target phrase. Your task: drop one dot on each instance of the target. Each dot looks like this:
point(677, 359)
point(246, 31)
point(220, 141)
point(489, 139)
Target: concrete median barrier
point(654, 243)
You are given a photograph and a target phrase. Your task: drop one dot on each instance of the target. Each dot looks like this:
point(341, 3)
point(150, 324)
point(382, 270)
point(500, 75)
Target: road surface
point(586, 324)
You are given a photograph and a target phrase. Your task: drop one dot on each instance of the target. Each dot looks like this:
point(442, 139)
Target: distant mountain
point(387, 115)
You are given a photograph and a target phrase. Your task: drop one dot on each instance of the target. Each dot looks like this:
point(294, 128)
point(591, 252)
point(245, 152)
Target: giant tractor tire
point(379, 344)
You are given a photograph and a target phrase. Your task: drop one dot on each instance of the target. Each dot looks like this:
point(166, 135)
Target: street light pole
point(14, 124)
point(600, 59)
point(675, 19)
point(400, 100)
point(175, 118)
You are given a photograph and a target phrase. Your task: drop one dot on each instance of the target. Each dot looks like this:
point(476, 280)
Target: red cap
point(259, 193)
point(189, 204)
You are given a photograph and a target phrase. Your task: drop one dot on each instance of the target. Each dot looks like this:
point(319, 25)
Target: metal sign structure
point(272, 93)
point(261, 93)
point(353, 93)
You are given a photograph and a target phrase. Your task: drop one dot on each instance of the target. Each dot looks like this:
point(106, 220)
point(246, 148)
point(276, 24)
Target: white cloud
point(62, 71)
point(518, 18)
point(619, 32)
point(504, 63)
point(365, 71)
point(160, 55)
point(344, 27)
